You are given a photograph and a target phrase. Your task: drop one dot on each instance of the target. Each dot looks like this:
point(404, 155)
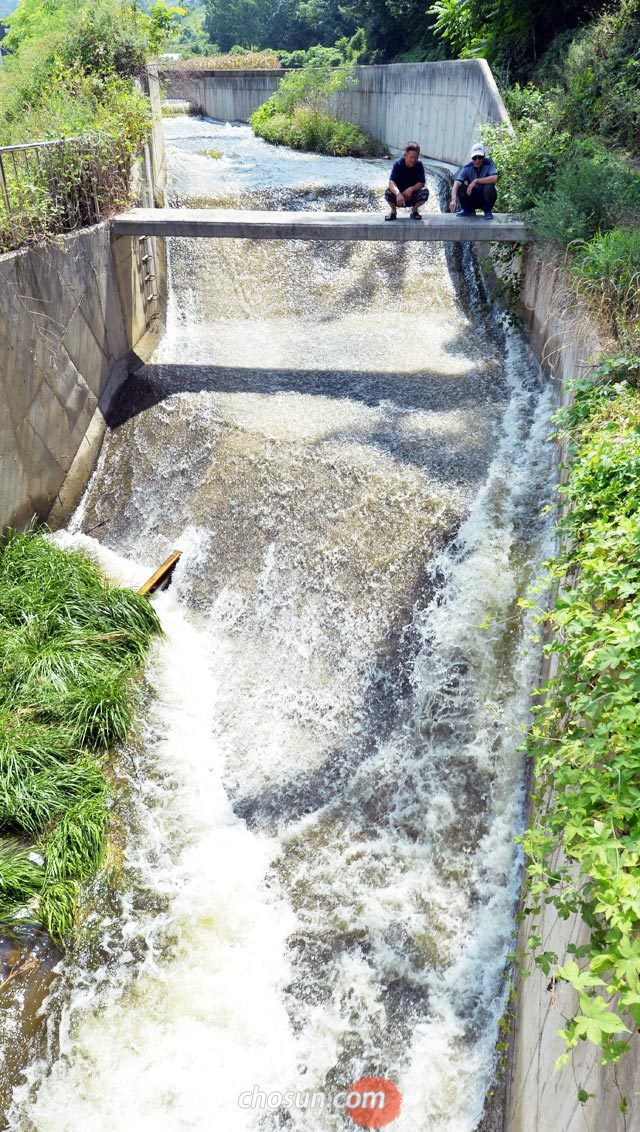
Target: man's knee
point(489, 193)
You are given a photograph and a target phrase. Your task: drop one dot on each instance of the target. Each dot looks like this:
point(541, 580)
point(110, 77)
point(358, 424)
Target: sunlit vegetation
point(299, 114)
point(71, 648)
point(569, 163)
point(72, 72)
point(582, 843)
point(238, 60)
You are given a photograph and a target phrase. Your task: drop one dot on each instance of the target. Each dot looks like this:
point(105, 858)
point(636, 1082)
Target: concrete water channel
point(319, 877)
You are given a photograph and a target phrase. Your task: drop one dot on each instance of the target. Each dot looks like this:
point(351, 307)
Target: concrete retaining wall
point(232, 96)
point(180, 84)
point(156, 141)
point(71, 313)
point(440, 105)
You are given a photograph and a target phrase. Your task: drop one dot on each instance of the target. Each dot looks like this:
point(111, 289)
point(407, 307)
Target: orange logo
point(373, 1102)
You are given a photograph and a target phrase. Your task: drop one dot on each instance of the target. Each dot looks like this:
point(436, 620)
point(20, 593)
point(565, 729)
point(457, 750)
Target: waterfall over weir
point(318, 875)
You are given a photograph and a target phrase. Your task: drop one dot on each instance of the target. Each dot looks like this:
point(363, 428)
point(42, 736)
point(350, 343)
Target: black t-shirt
point(404, 177)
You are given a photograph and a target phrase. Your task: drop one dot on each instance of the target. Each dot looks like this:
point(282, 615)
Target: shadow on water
point(427, 391)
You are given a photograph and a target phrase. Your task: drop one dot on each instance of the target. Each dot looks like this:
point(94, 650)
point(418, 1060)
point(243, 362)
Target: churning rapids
point(316, 874)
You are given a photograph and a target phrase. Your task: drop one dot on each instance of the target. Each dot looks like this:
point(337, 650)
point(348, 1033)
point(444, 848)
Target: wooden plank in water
point(162, 574)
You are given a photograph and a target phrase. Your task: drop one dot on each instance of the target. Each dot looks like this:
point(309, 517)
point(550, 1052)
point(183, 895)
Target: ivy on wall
point(583, 841)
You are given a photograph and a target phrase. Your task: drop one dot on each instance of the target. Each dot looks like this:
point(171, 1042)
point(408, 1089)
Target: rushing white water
point(319, 876)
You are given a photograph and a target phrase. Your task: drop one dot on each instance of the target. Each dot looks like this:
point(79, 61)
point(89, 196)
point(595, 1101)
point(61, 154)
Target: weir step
point(228, 223)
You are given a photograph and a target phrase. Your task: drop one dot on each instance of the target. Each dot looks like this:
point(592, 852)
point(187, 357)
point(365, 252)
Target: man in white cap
point(475, 185)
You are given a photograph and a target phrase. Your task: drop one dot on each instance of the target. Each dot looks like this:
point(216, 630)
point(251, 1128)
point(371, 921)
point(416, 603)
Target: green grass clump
point(299, 113)
point(21, 877)
point(607, 270)
point(317, 132)
point(70, 646)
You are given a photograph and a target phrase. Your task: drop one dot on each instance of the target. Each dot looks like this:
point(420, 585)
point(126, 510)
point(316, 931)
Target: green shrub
point(105, 40)
point(607, 270)
point(588, 195)
point(298, 115)
point(598, 75)
point(527, 160)
point(313, 56)
point(70, 75)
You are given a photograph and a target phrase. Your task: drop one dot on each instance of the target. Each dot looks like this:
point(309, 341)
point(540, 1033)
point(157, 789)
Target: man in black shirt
point(406, 187)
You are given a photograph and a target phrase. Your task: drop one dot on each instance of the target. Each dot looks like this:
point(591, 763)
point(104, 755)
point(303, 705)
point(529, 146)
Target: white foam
point(151, 1051)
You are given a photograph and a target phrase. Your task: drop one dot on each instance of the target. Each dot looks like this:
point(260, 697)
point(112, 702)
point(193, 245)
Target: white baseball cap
point(477, 150)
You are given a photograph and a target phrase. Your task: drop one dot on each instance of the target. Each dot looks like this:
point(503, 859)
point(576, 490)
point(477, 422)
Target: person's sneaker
point(415, 216)
point(488, 215)
point(391, 216)
point(466, 213)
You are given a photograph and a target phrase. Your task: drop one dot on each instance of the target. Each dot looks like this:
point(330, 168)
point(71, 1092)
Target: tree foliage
point(511, 34)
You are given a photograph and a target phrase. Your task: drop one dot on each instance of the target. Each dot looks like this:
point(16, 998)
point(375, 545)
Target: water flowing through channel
point(317, 876)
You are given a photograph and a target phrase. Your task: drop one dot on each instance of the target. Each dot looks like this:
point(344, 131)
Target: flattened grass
point(71, 646)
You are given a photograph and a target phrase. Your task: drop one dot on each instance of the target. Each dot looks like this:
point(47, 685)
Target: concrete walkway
point(231, 223)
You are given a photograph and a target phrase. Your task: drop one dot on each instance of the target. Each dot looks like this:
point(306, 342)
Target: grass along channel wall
point(71, 647)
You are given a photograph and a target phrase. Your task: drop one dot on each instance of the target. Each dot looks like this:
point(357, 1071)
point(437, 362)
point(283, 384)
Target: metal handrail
point(12, 152)
point(38, 144)
point(36, 198)
point(23, 177)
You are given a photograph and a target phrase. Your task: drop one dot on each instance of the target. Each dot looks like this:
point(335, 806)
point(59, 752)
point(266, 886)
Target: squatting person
point(406, 188)
point(475, 185)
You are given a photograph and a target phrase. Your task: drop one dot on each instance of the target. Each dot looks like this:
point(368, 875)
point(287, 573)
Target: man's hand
point(471, 186)
point(453, 204)
point(400, 199)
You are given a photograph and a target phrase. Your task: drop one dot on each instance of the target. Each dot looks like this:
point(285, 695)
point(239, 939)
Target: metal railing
point(58, 186)
point(16, 161)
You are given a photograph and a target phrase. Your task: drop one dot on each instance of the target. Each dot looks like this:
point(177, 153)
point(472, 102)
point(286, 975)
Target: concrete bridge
point(228, 223)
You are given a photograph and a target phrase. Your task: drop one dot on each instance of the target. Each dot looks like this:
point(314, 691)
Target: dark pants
point(483, 196)
point(420, 197)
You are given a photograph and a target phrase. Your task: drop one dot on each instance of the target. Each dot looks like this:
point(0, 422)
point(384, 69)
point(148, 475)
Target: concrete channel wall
point(440, 105)
point(76, 315)
point(541, 1098)
point(71, 315)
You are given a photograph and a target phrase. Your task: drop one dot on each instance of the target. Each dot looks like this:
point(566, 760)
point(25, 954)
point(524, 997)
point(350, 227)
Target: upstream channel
point(316, 874)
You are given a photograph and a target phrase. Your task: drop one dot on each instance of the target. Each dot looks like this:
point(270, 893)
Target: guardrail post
point(5, 191)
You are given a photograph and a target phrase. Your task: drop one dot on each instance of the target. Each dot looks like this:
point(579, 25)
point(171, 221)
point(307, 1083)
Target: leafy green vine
point(583, 842)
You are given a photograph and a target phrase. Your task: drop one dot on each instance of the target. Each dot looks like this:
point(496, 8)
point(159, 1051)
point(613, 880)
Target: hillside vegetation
point(72, 72)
